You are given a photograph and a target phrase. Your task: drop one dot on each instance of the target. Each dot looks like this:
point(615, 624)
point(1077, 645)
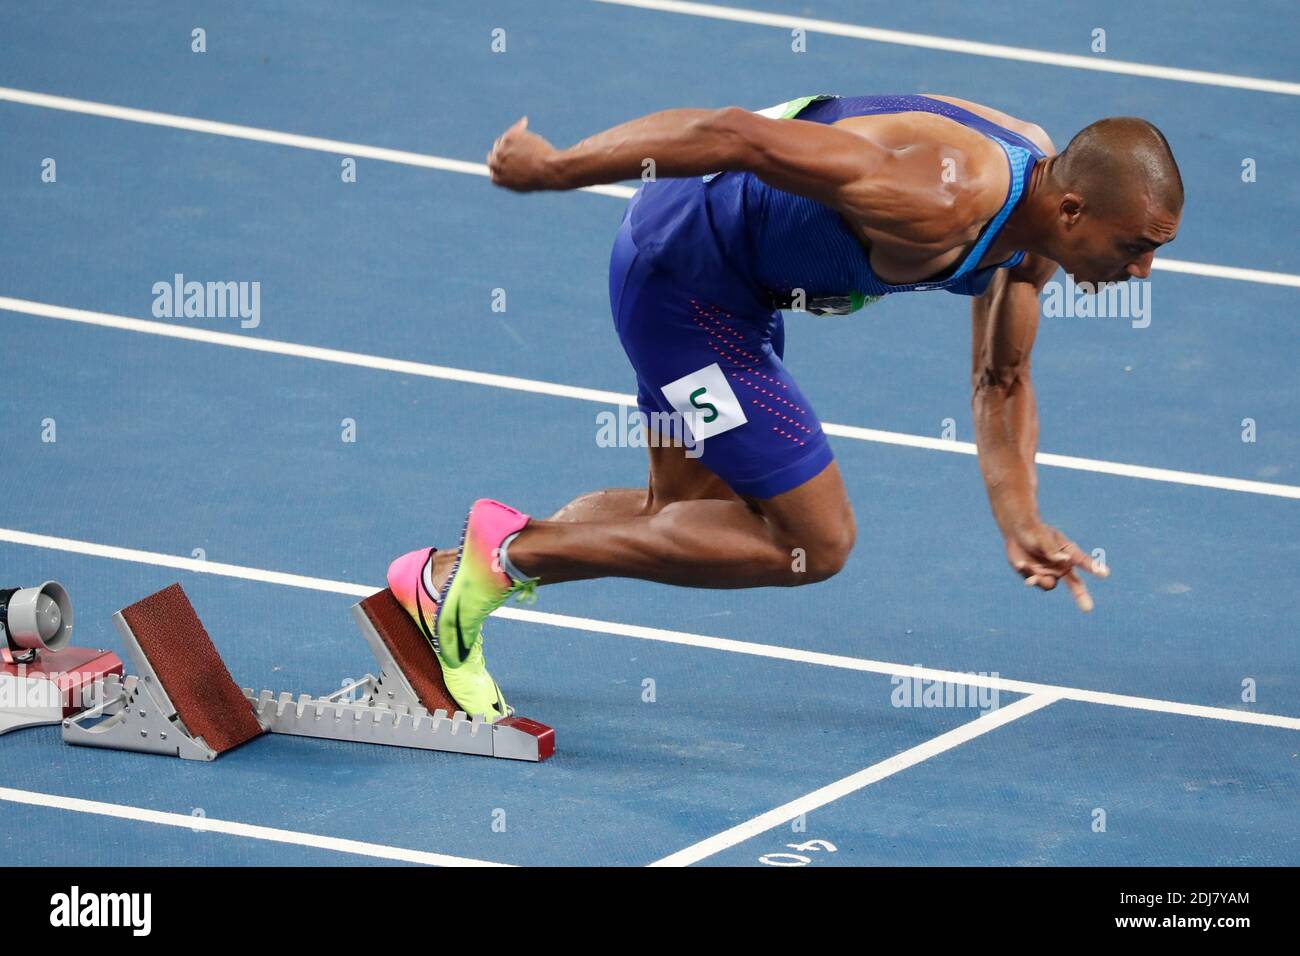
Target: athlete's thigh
point(817, 510)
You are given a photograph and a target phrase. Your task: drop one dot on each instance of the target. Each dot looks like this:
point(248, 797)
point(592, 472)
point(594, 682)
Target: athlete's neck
point(1029, 225)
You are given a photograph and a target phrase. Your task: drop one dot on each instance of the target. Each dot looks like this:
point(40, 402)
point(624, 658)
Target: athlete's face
point(1115, 247)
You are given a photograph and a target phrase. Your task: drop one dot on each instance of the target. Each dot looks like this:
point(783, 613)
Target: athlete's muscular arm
point(873, 184)
point(1005, 322)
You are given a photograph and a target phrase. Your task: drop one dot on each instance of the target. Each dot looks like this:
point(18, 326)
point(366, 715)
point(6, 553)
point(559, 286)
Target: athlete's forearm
point(671, 143)
point(1005, 323)
point(1006, 436)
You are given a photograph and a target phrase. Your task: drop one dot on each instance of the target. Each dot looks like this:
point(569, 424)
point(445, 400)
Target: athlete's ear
point(1070, 210)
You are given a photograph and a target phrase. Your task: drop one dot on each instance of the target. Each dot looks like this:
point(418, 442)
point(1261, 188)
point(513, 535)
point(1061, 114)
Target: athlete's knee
point(828, 556)
point(820, 553)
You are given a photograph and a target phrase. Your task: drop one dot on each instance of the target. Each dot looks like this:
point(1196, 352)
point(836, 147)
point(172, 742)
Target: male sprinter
point(825, 203)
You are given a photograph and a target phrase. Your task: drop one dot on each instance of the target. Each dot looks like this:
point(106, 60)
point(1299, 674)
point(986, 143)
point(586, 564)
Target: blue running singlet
point(701, 267)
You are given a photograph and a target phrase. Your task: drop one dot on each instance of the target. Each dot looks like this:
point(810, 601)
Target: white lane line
point(235, 828)
point(927, 41)
point(604, 397)
point(664, 636)
point(887, 668)
point(855, 782)
point(294, 350)
point(259, 135)
point(92, 550)
point(1226, 272)
point(173, 121)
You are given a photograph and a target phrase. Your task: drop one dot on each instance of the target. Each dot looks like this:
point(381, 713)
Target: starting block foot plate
point(181, 701)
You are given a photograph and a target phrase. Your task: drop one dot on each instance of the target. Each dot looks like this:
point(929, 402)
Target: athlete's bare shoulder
point(944, 180)
point(1033, 269)
point(1029, 131)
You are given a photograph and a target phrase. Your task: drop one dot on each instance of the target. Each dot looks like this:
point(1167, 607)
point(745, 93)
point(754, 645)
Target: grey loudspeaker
point(36, 619)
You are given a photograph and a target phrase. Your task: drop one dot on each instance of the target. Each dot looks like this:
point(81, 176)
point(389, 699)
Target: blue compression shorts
point(706, 349)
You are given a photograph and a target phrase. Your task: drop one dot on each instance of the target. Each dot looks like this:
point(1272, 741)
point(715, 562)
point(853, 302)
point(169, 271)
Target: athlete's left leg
point(674, 477)
point(800, 536)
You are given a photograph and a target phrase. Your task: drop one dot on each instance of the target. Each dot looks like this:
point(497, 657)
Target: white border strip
point(664, 636)
point(949, 45)
point(425, 161)
point(1209, 271)
point(533, 386)
point(855, 782)
point(258, 135)
point(235, 828)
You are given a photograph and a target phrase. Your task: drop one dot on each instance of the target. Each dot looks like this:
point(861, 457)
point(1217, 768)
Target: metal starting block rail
point(389, 709)
point(335, 718)
point(181, 700)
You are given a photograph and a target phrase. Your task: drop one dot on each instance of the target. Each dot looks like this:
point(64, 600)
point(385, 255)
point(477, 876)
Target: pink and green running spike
point(410, 578)
point(478, 585)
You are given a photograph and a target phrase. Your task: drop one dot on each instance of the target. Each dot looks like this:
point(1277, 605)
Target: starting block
point(182, 701)
point(406, 705)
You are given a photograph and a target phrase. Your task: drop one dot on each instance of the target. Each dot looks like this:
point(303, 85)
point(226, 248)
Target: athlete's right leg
point(688, 528)
point(607, 505)
point(709, 351)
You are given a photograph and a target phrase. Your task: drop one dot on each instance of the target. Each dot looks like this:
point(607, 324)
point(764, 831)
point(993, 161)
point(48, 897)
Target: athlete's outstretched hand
point(1043, 556)
point(520, 159)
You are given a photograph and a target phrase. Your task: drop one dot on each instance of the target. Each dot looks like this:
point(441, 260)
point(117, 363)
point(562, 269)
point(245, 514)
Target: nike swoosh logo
point(460, 637)
point(430, 633)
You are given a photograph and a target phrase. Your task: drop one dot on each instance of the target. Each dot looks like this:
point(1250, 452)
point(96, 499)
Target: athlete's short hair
point(1109, 160)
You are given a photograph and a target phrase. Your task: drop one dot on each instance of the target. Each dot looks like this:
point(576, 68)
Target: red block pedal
point(192, 673)
point(412, 653)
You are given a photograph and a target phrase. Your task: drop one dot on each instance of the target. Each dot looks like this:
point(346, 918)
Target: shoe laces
point(525, 591)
